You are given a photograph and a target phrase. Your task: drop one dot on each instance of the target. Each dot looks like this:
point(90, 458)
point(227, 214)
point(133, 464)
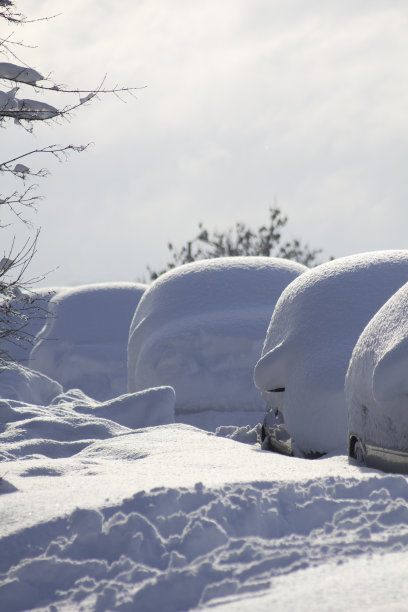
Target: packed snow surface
point(83, 344)
point(200, 327)
point(310, 339)
point(377, 378)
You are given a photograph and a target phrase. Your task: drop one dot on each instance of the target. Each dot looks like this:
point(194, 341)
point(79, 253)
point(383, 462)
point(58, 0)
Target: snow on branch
point(12, 15)
point(17, 200)
point(19, 74)
point(15, 77)
point(36, 110)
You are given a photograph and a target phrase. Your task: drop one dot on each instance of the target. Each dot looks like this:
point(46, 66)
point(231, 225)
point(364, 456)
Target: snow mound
point(134, 410)
point(73, 421)
point(24, 385)
point(311, 336)
point(199, 328)
point(83, 344)
point(377, 382)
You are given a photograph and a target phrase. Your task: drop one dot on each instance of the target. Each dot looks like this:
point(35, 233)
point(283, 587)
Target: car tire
point(359, 453)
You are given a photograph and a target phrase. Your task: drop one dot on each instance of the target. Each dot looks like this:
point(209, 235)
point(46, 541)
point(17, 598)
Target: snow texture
point(311, 336)
point(173, 518)
point(377, 382)
point(83, 344)
point(199, 328)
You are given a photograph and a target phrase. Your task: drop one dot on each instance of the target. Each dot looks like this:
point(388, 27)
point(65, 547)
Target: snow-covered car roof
point(83, 343)
point(199, 328)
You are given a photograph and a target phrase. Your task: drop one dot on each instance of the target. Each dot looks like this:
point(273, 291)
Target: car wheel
point(359, 453)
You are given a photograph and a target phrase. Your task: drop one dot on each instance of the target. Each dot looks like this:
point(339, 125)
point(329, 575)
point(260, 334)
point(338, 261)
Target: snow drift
point(377, 378)
point(311, 336)
point(84, 341)
point(24, 385)
point(199, 328)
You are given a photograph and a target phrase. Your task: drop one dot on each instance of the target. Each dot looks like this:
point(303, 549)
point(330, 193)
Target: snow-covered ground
point(112, 504)
point(175, 518)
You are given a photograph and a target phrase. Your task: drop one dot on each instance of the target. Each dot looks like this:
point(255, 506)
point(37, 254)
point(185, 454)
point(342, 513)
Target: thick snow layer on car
point(83, 344)
point(312, 333)
point(21, 384)
point(199, 328)
point(377, 378)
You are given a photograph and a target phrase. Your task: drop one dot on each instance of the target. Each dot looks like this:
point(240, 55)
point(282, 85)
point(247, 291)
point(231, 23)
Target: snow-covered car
point(314, 328)
point(83, 343)
point(199, 328)
point(377, 389)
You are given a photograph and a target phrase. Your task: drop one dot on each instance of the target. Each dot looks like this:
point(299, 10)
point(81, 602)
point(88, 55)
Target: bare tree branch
point(18, 303)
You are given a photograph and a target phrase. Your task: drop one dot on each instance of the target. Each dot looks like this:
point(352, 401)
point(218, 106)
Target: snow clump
point(311, 336)
point(377, 382)
point(83, 344)
point(199, 328)
point(20, 74)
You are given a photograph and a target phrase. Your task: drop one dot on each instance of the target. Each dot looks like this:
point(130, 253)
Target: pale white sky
point(247, 101)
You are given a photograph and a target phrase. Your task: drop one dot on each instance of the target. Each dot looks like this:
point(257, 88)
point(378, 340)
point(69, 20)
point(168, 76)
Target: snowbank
point(199, 328)
point(83, 344)
point(312, 333)
point(24, 385)
point(377, 378)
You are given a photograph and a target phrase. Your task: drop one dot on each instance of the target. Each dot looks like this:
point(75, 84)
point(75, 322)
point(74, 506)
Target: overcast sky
point(248, 103)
